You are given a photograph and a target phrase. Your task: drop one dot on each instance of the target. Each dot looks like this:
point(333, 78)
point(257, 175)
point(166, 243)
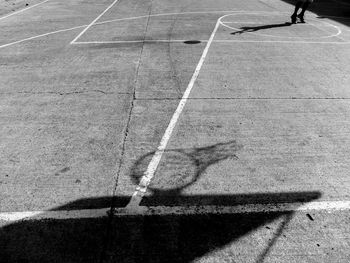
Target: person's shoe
point(301, 18)
point(294, 19)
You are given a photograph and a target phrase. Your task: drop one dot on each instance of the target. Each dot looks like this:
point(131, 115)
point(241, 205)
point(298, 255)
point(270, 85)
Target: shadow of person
point(338, 11)
point(249, 29)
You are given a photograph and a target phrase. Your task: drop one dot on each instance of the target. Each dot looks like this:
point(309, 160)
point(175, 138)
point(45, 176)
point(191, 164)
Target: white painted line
point(42, 35)
point(328, 206)
point(151, 169)
point(22, 10)
point(187, 13)
point(239, 209)
point(339, 17)
point(205, 41)
point(337, 36)
point(243, 22)
point(281, 42)
point(134, 41)
point(268, 35)
point(105, 22)
point(165, 14)
point(93, 22)
point(59, 214)
point(15, 216)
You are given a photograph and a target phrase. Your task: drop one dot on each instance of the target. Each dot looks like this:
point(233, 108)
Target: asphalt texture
point(266, 122)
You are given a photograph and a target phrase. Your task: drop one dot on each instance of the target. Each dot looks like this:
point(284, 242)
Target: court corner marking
point(93, 22)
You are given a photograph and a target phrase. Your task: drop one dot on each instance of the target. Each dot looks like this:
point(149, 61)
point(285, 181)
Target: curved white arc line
point(259, 34)
point(163, 14)
point(124, 19)
point(98, 23)
point(339, 17)
point(266, 35)
point(188, 13)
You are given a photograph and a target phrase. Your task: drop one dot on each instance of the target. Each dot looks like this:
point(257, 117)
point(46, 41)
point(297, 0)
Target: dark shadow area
point(154, 238)
point(170, 237)
point(335, 10)
point(247, 29)
point(192, 42)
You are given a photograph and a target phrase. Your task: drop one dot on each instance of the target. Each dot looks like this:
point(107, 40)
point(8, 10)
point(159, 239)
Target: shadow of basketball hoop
point(181, 168)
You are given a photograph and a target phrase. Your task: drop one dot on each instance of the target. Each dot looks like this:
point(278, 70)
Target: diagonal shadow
point(142, 238)
point(247, 29)
point(169, 237)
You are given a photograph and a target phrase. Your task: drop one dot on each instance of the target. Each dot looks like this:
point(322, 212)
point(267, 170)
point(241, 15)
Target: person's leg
point(303, 9)
point(294, 15)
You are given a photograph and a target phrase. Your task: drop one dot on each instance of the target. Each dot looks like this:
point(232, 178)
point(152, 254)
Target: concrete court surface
point(253, 165)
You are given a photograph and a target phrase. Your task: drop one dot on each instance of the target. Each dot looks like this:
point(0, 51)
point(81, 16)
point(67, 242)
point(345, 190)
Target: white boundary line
point(205, 41)
point(106, 22)
point(337, 36)
point(133, 41)
point(22, 10)
point(223, 23)
point(93, 22)
point(339, 17)
point(151, 169)
point(42, 35)
point(329, 206)
point(282, 42)
point(238, 209)
point(165, 14)
point(58, 214)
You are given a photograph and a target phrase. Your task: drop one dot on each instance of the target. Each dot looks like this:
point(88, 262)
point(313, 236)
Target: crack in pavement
point(126, 130)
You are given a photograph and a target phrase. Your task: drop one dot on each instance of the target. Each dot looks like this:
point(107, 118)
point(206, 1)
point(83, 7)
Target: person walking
point(303, 4)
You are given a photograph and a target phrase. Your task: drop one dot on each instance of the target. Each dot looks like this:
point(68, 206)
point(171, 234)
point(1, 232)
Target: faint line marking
point(22, 10)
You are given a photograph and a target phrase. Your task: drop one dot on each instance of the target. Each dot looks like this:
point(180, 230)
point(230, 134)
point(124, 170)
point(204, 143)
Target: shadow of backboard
point(180, 237)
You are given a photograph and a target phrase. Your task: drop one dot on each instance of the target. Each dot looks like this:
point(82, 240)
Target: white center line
point(151, 169)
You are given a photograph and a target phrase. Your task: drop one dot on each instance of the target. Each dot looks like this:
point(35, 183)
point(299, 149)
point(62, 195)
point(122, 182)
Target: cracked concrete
point(79, 123)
